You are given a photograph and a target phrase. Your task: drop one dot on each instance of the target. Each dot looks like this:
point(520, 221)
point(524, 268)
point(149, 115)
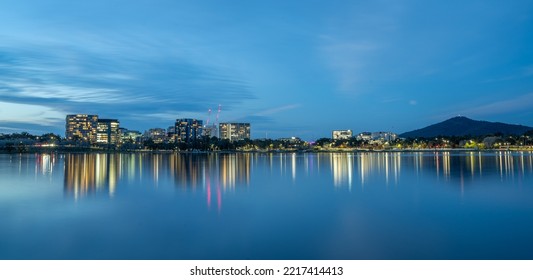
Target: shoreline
point(325, 151)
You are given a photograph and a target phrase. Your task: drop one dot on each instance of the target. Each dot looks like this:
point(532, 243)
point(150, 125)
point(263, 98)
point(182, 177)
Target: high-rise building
point(342, 134)
point(107, 132)
point(81, 127)
point(90, 129)
point(234, 131)
point(188, 130)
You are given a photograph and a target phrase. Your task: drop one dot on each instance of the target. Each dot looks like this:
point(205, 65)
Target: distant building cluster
point(377, 136)
point(373, 137)
point(91, 129)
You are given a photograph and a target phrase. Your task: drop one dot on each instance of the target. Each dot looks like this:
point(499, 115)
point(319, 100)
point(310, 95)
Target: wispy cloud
point(522, 103)
point(272, 111)
point(31, 118)
point(523, 73)
point(77, 80)
point(9, 128)
point(33, 128)
point(76, 94)
point(265, 116)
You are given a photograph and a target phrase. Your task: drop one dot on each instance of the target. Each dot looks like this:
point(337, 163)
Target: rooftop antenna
point(218, 113)
point(208, 117)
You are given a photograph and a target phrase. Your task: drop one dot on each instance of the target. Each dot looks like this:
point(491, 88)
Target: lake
point(396, 205)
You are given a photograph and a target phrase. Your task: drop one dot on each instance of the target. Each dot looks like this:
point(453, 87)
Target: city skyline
point(93, 130)
point(289, 69)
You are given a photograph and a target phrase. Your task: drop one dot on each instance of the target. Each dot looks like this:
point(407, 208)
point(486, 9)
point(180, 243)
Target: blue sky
point(290, 68)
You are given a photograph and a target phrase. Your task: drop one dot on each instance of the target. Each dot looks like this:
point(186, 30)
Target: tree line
point(23, 141)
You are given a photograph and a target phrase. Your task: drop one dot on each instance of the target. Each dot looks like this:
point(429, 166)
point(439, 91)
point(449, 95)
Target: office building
point(188, 130)
point(234, 131)
point(107, 132)
point(92, 130)
point(342, 134)
point(81, 127)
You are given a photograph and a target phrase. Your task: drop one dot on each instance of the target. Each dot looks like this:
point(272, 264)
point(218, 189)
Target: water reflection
point(385, 166)
point(91, 173)
point(444, 205)
point(44, 164)
point(86, 173)
point(342, 169)
point(234, 169)
point(216, 173)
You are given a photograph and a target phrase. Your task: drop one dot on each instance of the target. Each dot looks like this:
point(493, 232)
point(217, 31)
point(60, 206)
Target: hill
point(461, 126)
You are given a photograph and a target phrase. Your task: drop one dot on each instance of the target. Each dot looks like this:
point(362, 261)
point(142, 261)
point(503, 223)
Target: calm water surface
point(428, 205)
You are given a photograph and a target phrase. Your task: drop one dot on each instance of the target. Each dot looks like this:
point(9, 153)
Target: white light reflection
point(155, 168)
point(446, 165)
point(363, 167)
point(44, 164)
point(508, 164)
point(530, 162)
point(479, 160)
point(471, 164)
point(522, 163)
point(387, 169)
point(437, 164)
point(217, 174)
point(342, 169)
point(114, 174)
point(293, 166)
point(397, 167)
point(271, 160)
point(281, 164)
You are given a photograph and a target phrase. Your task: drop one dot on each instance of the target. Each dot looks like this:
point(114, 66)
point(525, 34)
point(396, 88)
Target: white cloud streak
point(276, 110)
point(65, 92)
point(520, 103)
point(23, 113)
